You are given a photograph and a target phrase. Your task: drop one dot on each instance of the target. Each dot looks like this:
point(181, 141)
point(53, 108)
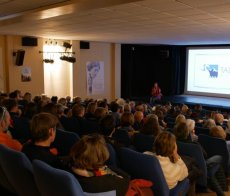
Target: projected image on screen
point(208, 72)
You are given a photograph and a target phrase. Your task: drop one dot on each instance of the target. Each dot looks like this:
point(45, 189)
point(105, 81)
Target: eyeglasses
point(3, 113)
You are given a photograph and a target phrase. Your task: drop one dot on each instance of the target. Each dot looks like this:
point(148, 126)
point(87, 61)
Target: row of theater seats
point(18, 175)
point(22, 178)
point(212, 146)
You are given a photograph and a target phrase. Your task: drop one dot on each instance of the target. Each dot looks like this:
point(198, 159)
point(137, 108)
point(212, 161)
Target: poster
point(26, 74)
point(95, 77)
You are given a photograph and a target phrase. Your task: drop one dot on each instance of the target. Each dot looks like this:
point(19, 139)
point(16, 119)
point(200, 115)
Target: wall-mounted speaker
point(84, 45)
point(29, 41)
point(20, 57)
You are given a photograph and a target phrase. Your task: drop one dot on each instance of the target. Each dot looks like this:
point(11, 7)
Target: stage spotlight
point(72, 59)
point(68, 59)
point(48, 61)
point(67, 45)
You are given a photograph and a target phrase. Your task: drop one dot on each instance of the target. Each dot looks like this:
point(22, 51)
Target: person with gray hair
point(191, 127)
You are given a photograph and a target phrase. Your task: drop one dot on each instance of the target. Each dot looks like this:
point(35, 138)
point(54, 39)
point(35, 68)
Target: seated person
point(156, 93)
point(43, 132)
point(124, 133)
point(5, 137)
point(165, 149)
point(88, 157)
point(182, 134)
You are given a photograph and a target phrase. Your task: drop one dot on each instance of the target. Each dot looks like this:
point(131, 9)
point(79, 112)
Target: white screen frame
point(189, 92)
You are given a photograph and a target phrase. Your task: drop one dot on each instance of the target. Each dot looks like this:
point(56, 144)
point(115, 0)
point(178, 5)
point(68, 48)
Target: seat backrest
point(143, 142)
point(195, 151)
point(18, 170)
point(52, 181)
point(64, 141)
point(215, 146)
point(112, 161)
point(142, 166)
point(4, 182)
point(202, 130)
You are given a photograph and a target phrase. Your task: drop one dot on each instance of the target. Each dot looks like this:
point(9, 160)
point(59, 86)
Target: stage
point(212, 103)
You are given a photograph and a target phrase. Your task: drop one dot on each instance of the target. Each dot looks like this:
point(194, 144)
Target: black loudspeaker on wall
point(29, 41)
point(20, 57)
point(84, 45)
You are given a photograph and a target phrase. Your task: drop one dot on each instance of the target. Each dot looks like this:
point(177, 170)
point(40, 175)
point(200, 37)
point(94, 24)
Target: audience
point(118, 127)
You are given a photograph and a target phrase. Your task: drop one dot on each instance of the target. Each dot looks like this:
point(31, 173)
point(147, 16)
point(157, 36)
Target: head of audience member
point(60, 110)
point(100, 112)
point(77, 100)
point(68, 99)
point(114, 107)
point(127, 108)
point(11, 105)
point(213, 114)
point(62, 101)
point(43, 128)
point(103, 103)
point(127, 119)
point(165, 145)
point(228, 125)
point(168, 106)
point(140, 107)
point(184, 109)
point(91, 107)
point(198, 108)
point(191, 125)
point(30, 110)
point(28, 97)
point(54, 99)
point(181, 131)
point(121, 102)
point(44, 100)
point(78, 111)
point(138, 116)
point(132, 105)
point(180, 118)
point(89, 153)
point(4, 119)
point(219, 119)
point(16, 95)
point(209, 123)
point(107, 125)
point(151, 126)
point(218, 132)
point(50, 108)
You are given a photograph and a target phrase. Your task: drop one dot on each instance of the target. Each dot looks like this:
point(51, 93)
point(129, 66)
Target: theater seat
point(143, 142)
point(215, 146)
point(64, 141)
point(195, 151)
point(19, 171)
point(52, 181)
point(142, 166)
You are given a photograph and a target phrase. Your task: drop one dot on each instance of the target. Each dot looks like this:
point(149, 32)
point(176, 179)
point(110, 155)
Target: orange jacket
point(6, 140)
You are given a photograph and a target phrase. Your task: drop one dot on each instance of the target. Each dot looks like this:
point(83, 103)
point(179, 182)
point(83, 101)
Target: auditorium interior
point(46, 47)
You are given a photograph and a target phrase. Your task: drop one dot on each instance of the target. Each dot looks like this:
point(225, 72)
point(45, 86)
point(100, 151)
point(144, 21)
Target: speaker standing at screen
point(156, 93)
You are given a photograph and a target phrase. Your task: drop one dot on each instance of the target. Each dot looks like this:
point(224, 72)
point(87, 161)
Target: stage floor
point(210, 102)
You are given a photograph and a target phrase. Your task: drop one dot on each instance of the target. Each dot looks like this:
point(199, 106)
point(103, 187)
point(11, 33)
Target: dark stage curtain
point(142, 65)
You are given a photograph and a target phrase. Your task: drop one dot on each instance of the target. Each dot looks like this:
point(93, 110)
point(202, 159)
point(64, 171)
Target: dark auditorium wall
point(142, 65)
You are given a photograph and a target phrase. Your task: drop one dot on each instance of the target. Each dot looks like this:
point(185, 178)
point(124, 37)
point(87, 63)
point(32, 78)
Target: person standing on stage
point(156, 93)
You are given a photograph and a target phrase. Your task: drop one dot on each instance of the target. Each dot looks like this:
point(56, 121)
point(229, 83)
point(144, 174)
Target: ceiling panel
point(120, 21)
